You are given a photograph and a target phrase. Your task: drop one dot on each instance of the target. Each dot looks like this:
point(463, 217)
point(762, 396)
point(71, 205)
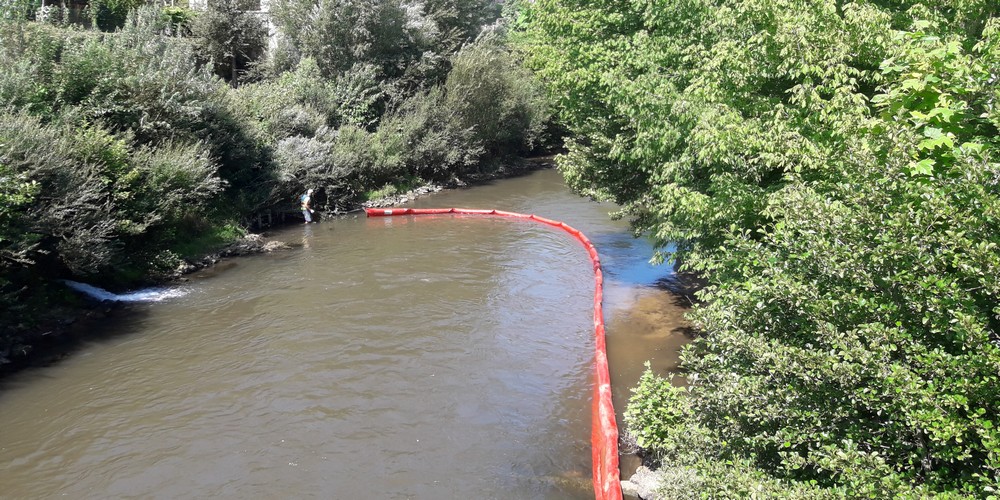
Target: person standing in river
point(305, 201)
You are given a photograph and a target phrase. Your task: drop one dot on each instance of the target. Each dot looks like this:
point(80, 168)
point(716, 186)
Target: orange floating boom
point(604, 428)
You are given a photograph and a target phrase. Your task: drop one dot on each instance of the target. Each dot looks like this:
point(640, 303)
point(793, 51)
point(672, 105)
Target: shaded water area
point(414, 357)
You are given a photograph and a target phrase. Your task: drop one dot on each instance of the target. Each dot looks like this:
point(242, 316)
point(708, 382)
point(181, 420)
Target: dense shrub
point(360, 96)
point(123, 151)
point(491, 94)
point(32, 52)
point(308, 162)
point(93, 193)
point(108, 139)
point(136, 79)
point(332, 137)
point(406, 45)
point(426, 138)
point(832, 171)
point(17, 192)
point(232, 37)
point(296, 103)
point(340, 34)
point(69, 221)
point(178, 20)
point(155, 86)
point(109, 15)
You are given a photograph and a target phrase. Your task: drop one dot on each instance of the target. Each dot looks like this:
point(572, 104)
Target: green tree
point(122, 151)
point(16, 193)
point(831, 168)
point(231, 36)
point(496, 98)
point(339, 34)
point(450, 24)
point(110, 15)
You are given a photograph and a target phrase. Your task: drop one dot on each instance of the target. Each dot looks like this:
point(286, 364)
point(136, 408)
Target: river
point(402, 357)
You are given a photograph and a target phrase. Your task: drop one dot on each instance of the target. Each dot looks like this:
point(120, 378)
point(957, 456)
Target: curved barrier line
point(604, 428)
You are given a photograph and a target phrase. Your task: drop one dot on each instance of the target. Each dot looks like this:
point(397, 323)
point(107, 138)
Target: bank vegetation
point(832, 169)
point(139, 135)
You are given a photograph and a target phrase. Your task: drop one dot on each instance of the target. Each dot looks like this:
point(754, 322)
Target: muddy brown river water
point(423, 358)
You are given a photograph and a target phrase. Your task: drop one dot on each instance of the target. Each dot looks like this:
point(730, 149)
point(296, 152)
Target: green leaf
point(922, 167)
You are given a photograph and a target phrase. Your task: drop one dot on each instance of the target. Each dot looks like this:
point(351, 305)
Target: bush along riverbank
point(126, 159)
point(832, 169)
point(78, 314)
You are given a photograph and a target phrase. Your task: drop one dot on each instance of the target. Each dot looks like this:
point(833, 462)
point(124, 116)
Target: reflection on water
point(414, 357)
point(307, 231)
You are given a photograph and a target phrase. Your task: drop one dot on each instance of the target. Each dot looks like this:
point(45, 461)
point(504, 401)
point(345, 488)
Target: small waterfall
point(145, 295)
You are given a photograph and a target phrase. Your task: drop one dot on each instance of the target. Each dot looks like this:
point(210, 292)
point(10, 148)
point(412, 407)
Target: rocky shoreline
point(644, 484)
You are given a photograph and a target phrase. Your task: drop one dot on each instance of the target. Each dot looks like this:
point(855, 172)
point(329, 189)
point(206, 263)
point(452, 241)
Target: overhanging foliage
point(832, 169)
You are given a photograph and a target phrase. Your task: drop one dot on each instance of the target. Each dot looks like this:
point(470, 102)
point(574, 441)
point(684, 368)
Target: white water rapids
point(144, 295)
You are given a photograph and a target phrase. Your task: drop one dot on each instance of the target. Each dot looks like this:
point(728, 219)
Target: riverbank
point(475, 382)
point(68, 324)
point(648, 325)
point(257, 306)
point(256, 243)
point(521, 166)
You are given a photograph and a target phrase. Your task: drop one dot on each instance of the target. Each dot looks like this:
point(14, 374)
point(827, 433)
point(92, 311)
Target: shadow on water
point(625, 259)
point(646, 323)
point(67, 338)
point(684, 287)
point(98, 321)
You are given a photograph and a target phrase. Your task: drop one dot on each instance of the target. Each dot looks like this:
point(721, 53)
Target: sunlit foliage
point(162, 135)
point(831, 168)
